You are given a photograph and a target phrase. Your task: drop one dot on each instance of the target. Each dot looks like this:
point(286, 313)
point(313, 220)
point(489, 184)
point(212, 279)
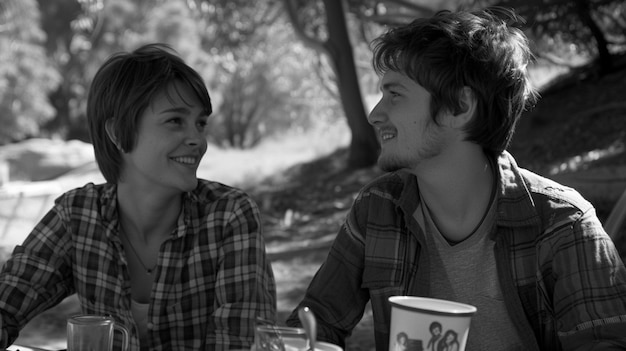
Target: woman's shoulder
point(210, 191)
point(88, 192)
point(86, 201)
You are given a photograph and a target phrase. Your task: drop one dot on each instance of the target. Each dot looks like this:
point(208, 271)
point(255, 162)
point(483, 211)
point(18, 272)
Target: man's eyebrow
point(392, 85)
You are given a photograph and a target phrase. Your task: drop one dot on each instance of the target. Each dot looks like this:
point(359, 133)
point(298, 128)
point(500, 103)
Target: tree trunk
point(604, 56)
point(363, 151)
point(60, 100)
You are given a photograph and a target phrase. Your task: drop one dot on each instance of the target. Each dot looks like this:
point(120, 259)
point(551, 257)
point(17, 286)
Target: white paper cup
point(420, 323)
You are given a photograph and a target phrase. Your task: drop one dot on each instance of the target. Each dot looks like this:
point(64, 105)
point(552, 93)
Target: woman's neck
point(146, 213)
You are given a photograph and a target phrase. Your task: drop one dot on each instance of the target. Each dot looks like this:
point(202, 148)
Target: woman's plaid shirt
point(211, 282)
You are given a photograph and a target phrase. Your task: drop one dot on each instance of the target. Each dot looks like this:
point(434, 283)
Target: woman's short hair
point(482, 50)
point(123, 88)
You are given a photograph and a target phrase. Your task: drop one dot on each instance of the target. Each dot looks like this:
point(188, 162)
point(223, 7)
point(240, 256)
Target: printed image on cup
point(420, 323)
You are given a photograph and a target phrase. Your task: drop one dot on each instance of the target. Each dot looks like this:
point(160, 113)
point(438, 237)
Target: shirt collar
point(108, 209)
point(516, 207)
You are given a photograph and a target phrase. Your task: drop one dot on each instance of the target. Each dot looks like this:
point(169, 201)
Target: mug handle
point(122, 329)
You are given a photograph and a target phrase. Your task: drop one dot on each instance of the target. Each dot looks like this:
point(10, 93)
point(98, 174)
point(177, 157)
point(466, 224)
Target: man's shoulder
point(540, 188)
point(546, 189)
point(389, 185)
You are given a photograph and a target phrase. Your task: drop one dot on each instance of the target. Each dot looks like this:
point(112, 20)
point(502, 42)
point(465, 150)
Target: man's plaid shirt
point(211, 282)
point(563, 281)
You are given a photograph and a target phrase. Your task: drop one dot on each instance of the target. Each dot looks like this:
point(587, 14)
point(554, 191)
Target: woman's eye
point(202, 124)
point(175, 120)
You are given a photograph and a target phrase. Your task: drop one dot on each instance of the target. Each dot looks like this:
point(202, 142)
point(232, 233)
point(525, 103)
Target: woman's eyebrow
point(176, 110)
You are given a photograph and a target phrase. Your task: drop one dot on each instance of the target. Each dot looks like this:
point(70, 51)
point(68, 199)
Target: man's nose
point(377, 114)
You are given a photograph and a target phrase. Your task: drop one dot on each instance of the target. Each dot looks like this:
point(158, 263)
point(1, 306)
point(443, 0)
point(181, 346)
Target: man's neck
point(456, 189)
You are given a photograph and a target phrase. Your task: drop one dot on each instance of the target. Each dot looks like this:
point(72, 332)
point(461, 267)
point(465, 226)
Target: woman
point(402, 340)
point(450, 341)
point(178, 260)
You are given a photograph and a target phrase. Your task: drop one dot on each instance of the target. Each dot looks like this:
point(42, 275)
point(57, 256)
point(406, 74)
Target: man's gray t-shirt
point(466, 272)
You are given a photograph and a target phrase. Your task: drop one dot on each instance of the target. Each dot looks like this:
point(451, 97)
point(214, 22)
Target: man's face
point(407, 133)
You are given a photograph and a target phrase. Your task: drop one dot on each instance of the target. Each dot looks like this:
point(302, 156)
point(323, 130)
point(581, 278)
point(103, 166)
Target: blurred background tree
point(562, 29)
point(81, 34)
point(272, 66)
point(261, 80)
point(26, 74)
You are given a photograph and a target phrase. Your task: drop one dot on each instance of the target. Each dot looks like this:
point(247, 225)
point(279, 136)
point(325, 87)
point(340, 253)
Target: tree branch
point(292, 11)
point(411, 5)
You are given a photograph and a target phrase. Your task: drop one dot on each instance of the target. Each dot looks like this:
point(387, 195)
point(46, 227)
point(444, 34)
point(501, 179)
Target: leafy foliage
point(262, 90)
point(592, 28)
point(260, 76)
point(25, 75)
point(233, 23)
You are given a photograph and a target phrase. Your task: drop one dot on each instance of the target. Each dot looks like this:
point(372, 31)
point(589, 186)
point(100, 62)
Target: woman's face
point(450, 338)
point(170, 142)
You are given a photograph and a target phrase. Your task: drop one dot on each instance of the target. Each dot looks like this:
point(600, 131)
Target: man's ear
point(108, 126)
point(467, 108)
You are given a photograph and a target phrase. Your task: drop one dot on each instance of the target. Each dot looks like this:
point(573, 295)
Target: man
point(455, 217)
point(435, 331)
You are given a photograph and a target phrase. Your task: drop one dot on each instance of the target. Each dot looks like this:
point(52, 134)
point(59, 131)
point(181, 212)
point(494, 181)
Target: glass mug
point(275, 338)
point(93, 333)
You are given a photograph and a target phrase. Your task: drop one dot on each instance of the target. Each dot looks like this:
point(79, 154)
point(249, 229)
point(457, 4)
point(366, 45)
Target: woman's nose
point(195, 136)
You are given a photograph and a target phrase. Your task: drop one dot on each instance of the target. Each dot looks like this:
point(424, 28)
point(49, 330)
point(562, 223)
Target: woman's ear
point(111, 134)
point(467, 103)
